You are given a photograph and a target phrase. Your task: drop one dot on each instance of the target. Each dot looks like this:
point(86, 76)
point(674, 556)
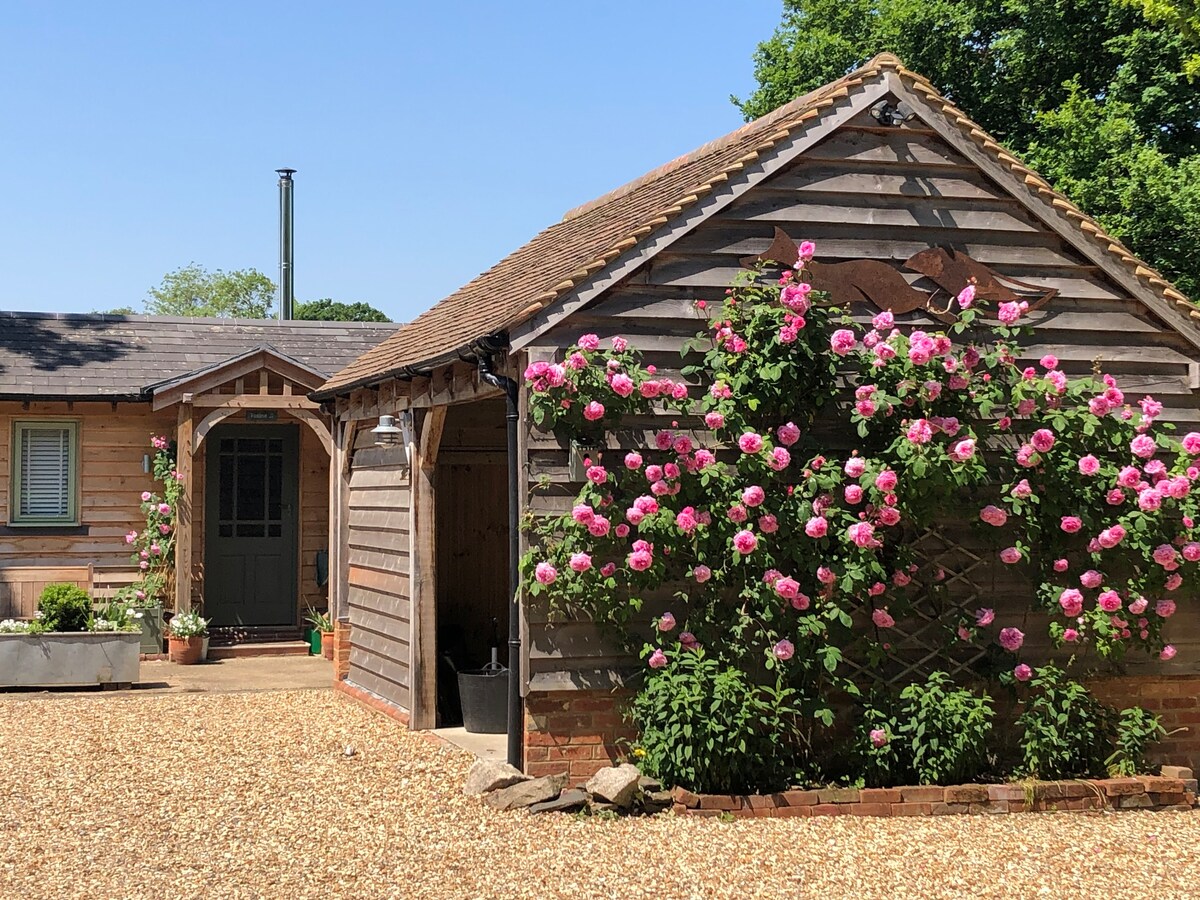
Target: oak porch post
point(183, 515)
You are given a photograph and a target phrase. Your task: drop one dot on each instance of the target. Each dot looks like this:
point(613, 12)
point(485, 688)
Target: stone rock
point(618, 784)
point(567, 801)
point(657, 801)
point(526, 793)
point(649, 785)
point(1181, 772)
point(489, 775)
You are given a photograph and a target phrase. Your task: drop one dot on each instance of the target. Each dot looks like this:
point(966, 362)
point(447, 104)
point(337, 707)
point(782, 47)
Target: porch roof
point(93, 356)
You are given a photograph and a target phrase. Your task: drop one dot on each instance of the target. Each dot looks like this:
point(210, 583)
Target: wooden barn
point(81, 396)
point(881, 171)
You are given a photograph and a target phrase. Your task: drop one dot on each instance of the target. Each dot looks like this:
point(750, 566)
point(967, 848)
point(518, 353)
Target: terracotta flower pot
point(185, 651)
point(327, 644)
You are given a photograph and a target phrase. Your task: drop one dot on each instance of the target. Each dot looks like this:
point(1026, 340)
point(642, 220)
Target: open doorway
point(472, 548)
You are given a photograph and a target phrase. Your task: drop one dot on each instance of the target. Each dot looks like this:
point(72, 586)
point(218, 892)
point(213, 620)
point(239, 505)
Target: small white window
point(45, 473)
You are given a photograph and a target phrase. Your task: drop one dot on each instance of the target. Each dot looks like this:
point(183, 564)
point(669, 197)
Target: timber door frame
point(423, 553)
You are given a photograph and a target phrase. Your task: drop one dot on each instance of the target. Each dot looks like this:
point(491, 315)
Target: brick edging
point(1141, 792)
point(369, 700)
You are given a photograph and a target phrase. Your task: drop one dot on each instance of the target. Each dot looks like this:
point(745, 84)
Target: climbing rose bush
point(153, 545)
point(786, 558)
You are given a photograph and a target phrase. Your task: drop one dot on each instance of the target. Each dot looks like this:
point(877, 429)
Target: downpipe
point(516, 719)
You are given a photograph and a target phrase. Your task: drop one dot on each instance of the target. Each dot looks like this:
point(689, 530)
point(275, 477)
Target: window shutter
point(45, 472)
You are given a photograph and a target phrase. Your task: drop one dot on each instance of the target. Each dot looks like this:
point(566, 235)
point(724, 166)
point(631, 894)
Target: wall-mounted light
point(394, 431)
point(887, 114)
point(581, 456)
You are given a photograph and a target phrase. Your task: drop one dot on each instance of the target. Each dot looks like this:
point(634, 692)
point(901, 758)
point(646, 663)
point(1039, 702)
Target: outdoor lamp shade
point(387, 432)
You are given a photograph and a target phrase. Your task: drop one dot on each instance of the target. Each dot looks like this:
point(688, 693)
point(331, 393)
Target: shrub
point(1064, 731)
point(707, 726)
point(188, 624)
point(934, 733)
point(64, 607)
point(1137, 729)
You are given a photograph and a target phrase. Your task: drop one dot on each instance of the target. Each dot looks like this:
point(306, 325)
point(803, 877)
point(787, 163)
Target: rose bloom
point(1164, 608)
point(964, 449)
point(1070, 524)
point(714, 420)
point(984, 617)
point(688, 640)
point(787, 588)
point(594, 411)
point(1071, 601)
point(545, 573)
point(825, 575)
point(1089, 465)
point(640, 560)
point(701, 574)
point(588, 342)
point(164, 509)
point(130, 537)
point(633, 460)
point(1010, 555)
point(816, 527)
point(862, 534)
point(745, 542)
point(1191, 442)
point(750, 442)
point(1109, 601)
point(1110, 537)
point(889, 516)
point(1011, 639)
point(1143, 446)
point(580, 562)
point(1090, 579)
point(737, 513)
point(855, 466)
point(788, 433)
point(599, 526)
point(842, 341)
point(1042, 440)
point(1167, 652)
point(886, 480)
point(658, 660)
point(993, 515)
point(783, 650)
point(753, 495)
point(879, 737)
point(1070, 635)
point(1061, 565)
point(666, 622)
point(583, 514)
point(1114, 497)
point(780, 459)
point(853, 494)
point(768, 524)
point(1022, 672)
point(882, 618)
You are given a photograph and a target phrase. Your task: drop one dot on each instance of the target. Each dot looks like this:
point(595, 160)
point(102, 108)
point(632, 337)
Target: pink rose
point(882, 618)
point(768, 524)
point(164, 509)
point(862, 534)
point(1138, 606)
point(964, 449)
point(666, 622)
point(879, 737)
point(783, 650)
point(545, 573)
point(984, 617)
point(1070, 635)
point(583, 514)
point(993, 515)
point(580, 562)
point(608, 569)
point(146, 495)
point(621, 384)
point(826, 575)
point(130, 537)
point(750, 442)
point(853, 494)
point(1042, 440)
point(688, 641)
point(1164, 608)
point(1109, 601)
point(594, 411)
point(1022, 672)
point(1071, 602)
point(753, 495)
point(788, 433)
point(658, 660)
point(1090, 579)
point(1070, 524)
point(714, 420)
point(842, 341)
point(1010, 555)
point(1191, 442)
point(1110, 537)
point(889, 516)
point(966, 297)
point(1089, 465)
point(633, 460)
point(745, 542)
point(886, 481)
point(816, 527)
point(920, 432)
point(780, 459)
point(1143, 446)
point(640, 559)
point(701, 574)
point(1061, 565)
point(1167, 652)
point(597, 474)
point(1011, 639)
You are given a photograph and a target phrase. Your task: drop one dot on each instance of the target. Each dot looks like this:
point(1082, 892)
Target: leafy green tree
point(194, 291)
point(1095, 94)
point(327, 310)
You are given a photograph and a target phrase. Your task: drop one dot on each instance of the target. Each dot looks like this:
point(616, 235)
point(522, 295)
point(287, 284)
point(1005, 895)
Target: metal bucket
point(484, 696)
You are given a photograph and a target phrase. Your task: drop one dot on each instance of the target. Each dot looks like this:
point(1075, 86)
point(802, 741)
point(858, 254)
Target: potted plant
point(319, 625)
point(186, 640)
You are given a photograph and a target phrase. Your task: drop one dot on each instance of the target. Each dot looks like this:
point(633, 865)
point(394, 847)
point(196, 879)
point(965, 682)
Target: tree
point(327, 310)
point(194, 291)
point(1093, 93)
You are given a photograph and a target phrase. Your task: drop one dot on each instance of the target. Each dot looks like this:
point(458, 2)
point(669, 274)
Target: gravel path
point(251, 795)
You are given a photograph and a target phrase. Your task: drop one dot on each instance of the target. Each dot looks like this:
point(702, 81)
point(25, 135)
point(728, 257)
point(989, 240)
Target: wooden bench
point(20, 586)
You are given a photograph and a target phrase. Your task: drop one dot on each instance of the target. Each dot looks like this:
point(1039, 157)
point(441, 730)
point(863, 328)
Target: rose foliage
point(788, 561)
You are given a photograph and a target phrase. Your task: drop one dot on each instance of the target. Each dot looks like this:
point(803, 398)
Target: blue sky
point(431, 138)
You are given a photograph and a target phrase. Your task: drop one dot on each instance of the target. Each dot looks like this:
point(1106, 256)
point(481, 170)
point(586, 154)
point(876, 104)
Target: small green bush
point(1063, 731)
point(706, 726)
point(1136, 729)
point(64, 607)
point(933, 733)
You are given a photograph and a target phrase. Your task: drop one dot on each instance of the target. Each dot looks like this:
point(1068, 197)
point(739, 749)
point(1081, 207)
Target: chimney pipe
point(287, 259)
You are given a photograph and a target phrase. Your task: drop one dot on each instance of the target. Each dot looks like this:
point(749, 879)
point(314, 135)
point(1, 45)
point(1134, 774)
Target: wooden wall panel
point(379, 570)
point(863, 193)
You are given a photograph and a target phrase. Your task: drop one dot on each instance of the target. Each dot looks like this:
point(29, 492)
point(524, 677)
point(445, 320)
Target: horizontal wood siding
point(863, 193)
point(379, 568)
point(113, 443)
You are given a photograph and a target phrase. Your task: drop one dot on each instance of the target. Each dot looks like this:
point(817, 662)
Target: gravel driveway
point(252, 795)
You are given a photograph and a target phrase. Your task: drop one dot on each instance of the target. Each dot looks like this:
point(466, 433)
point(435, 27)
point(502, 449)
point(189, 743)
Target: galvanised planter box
point(69, 658)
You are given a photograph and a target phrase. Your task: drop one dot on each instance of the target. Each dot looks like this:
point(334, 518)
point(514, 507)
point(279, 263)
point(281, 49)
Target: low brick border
point(369, 700)
point(1142, 792)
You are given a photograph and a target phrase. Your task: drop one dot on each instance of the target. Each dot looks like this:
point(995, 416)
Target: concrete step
point(258, 648)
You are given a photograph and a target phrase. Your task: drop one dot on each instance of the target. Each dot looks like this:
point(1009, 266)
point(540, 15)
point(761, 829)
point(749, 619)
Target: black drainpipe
point(516, 731)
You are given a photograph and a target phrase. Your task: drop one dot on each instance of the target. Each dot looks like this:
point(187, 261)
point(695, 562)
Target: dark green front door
point(250, 530)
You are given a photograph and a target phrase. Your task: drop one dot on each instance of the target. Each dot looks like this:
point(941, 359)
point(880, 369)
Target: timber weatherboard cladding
point(379, 569)
point(864, 192)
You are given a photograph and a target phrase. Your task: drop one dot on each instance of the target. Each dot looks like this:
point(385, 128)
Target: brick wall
point(341, 650)
point(577, 732)
point(1175, 698)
